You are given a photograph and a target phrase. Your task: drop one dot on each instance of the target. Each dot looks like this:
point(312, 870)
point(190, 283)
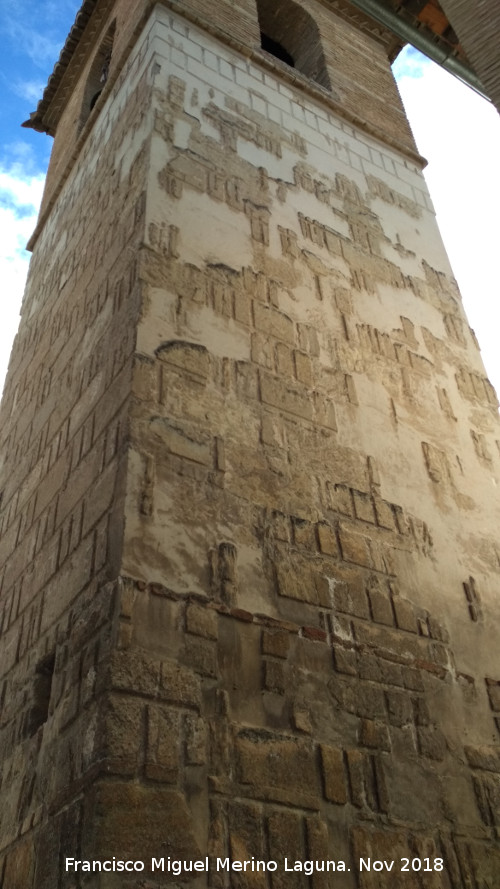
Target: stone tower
point(249, 494)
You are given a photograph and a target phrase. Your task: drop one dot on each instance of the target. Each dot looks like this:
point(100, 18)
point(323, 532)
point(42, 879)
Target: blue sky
point(456, 130)
point(32, 33)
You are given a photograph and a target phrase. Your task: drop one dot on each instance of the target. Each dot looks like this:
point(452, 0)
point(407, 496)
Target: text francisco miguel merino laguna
point(177, 867)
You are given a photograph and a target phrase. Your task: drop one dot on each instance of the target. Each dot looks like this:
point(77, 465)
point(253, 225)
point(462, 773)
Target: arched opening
point(98, 74)
point(290, 34)
point(276, 49)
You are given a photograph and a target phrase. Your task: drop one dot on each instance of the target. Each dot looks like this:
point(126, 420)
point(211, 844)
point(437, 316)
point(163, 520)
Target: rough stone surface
point(248, 560)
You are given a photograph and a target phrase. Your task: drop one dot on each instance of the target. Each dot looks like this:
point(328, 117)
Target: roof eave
point(36, 120)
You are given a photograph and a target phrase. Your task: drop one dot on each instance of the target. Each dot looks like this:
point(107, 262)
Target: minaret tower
point(249, 560)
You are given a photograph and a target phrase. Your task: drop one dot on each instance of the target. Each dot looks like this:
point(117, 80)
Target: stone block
point(484, 758)
point(308, 339)
point(384, 514)
point(374, 734)
point(438, 631)
point(101, 500)
point(412, 679)
point(138, 817)
point(247, 385)
point(274, 676)
point(135, 671)
point(493, 689)
point(276, 393)
point(351, 599)
point(356, 761)
point(384, 845)
point(299, 579)
point(319, 849)
point(145, 382)
point(390, 673)
point(123, 734)
point(381, 607)
point(271, 430)
point(196, 736)
point(302, 720)
point(363, 507)
point(405, 615)
point(285, 832)
point(262, 350)
point(284, 361)
point(399, 708)
point(242, 307)
point(369, 702)
point(431, 742)
point(276, 643)
point(281, 527)
point(163, 745)
point(269, 320)
point(327, 540)
point(369, 667)
point(179, 685)
point(201, 655)
point(303, 533)
point(383, 558)
point(334, 775)
point(246, 841)
point(354, 547)
point(324, 411)
point(182, 443)
point(346, 661)
point(202, 621)
point(279, 768)
point(303, 368)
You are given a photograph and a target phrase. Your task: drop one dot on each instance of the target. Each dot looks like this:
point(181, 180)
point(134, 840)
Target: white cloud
point(31, 90)
point(410, 63)
point(459, 133)
point(20, 196)
point(38, 28)
point(40, 48)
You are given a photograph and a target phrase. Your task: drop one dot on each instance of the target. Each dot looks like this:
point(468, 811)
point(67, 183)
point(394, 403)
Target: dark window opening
point(291, 34)
point(94, 99)
point(98, 75)
point(276, 49)
point(102, 80)
point(38, 711)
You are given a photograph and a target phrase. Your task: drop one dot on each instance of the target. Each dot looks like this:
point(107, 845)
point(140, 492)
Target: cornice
point(62, 81)
point(360, 20)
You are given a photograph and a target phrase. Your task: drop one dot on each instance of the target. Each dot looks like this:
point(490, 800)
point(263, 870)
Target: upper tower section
point(342, 57)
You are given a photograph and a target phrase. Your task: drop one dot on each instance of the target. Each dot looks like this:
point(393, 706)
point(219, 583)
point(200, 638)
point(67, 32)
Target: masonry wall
point(273, 602)
point(64, 431)
point(314, 448)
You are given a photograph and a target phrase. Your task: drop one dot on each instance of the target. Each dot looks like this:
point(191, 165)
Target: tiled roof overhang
point(37, 119)
point(424, 24)
point(409, 18)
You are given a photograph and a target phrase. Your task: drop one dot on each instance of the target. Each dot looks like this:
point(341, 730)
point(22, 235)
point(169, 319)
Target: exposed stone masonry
point(249, 563)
